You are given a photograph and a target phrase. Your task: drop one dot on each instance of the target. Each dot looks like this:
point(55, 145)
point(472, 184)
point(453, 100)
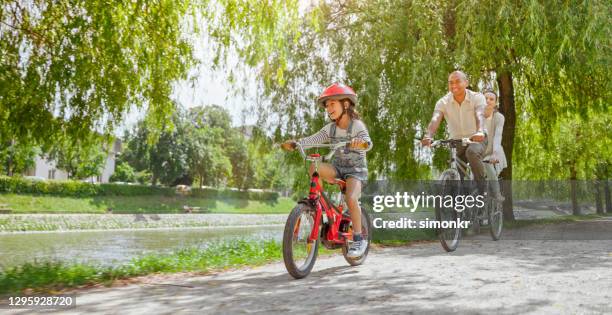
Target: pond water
point(116, 247)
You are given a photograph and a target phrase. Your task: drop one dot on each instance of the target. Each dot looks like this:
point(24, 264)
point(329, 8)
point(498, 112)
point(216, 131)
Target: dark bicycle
point(452, 183)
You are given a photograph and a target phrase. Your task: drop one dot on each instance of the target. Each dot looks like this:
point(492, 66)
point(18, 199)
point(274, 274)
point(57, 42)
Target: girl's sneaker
point(357, 249)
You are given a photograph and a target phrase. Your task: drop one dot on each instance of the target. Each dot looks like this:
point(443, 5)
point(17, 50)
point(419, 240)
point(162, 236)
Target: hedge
point(70, 188)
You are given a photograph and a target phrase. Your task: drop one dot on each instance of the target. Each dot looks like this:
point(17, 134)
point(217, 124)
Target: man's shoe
point(357, 249)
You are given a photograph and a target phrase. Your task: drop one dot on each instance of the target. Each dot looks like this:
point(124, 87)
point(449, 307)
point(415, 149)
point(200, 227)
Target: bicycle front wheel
point(299, 253)
point(449, 236)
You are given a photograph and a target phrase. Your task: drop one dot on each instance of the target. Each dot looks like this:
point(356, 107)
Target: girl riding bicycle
point(350, 165)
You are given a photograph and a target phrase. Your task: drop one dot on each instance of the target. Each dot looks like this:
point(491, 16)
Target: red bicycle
point(316, 219)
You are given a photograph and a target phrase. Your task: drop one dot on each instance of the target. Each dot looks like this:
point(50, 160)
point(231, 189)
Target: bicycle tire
point(289, 234)
point(366, 230)
point(496, 219)
point(449, 237)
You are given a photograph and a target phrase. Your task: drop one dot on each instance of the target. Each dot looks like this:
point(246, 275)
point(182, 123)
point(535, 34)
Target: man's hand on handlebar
point(494, 159)
point(426, 142)
point(478, 137)
point(288, 145)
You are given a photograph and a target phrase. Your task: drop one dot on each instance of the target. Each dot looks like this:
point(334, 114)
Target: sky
point(214, 86)
point(208, 86)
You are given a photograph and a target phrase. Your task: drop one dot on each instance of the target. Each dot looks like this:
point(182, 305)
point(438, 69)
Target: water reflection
point(115, 247)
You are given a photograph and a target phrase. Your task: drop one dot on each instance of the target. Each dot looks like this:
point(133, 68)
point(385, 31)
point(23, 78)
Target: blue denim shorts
point(345, 172)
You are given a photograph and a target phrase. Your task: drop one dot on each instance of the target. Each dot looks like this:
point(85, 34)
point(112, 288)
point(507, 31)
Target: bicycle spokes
point(301, 244)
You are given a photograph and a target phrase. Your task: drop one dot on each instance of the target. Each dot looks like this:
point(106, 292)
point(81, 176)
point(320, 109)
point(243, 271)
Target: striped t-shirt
point(359, 130)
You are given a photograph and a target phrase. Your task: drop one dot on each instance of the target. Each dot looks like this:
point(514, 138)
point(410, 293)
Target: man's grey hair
point(460, 73)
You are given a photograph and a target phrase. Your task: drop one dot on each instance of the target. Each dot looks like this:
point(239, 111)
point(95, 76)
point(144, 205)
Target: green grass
point(48, 276)
point(45, 276)
point(139, 204)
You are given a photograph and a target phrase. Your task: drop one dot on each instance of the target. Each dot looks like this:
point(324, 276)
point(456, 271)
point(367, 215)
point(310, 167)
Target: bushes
point(69, 188)
point(20, 185)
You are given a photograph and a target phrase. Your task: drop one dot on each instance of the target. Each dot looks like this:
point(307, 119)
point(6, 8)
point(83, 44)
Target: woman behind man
point(494, 153)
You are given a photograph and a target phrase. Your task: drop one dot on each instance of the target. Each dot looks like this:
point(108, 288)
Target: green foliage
point(397, 56)
point(167, 158)
point(204, 146)
point(20, 185)
point(70, 67)
point(206, 137)
point(123, 173)
point(48, 275)
point(62, 188)
point(242, 163)
point(80, 158)
point(17, 156)
point(143, 177)
point(576, 149)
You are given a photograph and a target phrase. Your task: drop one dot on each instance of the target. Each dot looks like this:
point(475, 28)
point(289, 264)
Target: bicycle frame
point(326, 211)
point(456, 163)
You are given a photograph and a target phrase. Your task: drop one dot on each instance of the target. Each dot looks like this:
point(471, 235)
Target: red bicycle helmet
point(337, 91)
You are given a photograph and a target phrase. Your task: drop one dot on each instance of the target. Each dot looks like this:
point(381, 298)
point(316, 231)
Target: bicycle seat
point(341, 183)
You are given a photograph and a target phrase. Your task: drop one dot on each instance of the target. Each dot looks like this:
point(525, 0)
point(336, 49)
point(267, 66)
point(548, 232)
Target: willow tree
point(556, 49)
point(397, 55)
point(387, 51)
point(71, 67)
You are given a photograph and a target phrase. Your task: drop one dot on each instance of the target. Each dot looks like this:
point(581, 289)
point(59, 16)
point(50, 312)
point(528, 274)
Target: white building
point(47, 169)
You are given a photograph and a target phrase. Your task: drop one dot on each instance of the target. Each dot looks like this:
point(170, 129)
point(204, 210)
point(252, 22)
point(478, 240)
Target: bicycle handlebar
point(463, 142)
point(332, 146)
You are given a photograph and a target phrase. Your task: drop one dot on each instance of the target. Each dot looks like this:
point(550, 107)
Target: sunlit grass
point(140, 204)
point(50, 275)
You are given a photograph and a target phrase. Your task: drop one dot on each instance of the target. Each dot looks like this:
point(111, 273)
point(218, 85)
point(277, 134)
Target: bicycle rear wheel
point(496, 218)
point(300, 254)
point(449, 237)
point(366, 232)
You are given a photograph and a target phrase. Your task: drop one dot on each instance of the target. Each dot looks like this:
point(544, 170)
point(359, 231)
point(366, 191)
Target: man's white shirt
point(461, 119)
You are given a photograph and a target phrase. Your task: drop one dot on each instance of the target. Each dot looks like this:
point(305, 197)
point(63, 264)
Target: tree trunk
point(507, 108)
point(607, 195)
point(573, 191)
point(9, 166)
point(449, 22)
point(598, 199)
point(9, 169)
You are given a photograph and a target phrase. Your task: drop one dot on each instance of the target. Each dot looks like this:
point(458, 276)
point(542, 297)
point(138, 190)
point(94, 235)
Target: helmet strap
point(344, 110)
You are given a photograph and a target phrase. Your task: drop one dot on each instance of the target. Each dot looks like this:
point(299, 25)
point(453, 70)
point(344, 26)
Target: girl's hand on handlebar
point(358, 143)
point(288, 145)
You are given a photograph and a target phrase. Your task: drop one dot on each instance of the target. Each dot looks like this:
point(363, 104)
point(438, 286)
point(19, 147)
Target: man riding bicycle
point(463, 111)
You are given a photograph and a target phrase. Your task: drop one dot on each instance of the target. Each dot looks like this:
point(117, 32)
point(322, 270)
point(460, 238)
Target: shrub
point(70, 188)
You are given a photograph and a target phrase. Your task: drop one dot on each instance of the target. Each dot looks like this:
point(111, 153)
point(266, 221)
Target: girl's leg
point(326, 171)
point(353, 192)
